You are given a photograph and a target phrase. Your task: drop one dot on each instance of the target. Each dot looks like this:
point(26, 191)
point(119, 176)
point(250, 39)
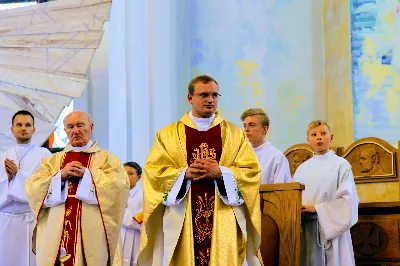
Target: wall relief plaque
point(297, 154)
point(372, 160)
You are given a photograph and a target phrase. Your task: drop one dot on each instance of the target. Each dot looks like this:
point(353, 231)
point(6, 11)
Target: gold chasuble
point(87, 234)
point(201, 229)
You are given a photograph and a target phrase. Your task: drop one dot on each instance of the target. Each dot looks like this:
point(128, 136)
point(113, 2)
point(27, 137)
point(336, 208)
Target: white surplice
point(16, 219)
point(329, 186)
point(274, 164)
point(130, 231)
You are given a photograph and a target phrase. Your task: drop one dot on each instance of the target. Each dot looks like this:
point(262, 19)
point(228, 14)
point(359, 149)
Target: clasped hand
point(308, 209)
point(203, 169)
point(72, 169)
point(11, 168)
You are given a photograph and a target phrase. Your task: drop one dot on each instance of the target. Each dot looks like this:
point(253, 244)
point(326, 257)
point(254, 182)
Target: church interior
point(128, 62)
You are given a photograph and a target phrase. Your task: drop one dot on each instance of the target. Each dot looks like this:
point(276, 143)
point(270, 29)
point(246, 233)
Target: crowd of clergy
point(195, 202)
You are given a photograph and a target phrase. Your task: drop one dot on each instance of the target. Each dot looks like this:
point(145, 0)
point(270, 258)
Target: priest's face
point(79, 128)
point(320, 139)
point(23, 128)
point(204, 100)
point(254, 129)
point(133, 176)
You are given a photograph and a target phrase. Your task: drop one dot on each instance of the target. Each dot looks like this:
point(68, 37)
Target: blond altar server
point(16, 219)
point(330, 203)
point(201, 182)
point(78, 197)
point(274, 164)
point(133, 218)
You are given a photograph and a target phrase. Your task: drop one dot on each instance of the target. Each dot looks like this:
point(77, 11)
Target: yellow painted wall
point(338, 89)
point(338, 79)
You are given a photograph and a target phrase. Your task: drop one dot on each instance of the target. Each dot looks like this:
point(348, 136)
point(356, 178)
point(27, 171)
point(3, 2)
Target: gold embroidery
point(70, 187)
point(66, 237)
point(203, 258)
point(67, 224)
point(204, 210)
point(68, 212)
point(203, 152)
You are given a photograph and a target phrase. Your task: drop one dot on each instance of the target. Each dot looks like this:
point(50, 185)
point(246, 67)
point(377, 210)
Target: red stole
point(200, 145)
point(73, 209)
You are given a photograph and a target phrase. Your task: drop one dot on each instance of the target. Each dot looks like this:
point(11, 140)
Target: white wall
point(152, 57)
point(266, 54)
point(95, 98)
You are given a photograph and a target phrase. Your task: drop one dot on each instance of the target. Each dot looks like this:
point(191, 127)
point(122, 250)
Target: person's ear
point(190, 98)
point(266, 130)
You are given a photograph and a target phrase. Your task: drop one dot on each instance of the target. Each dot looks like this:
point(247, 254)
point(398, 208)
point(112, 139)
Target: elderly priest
point(78, 197)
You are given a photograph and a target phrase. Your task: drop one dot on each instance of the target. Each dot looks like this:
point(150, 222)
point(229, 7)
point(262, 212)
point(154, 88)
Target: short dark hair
point(22, 112)
point(203, 79)
point(134, 165)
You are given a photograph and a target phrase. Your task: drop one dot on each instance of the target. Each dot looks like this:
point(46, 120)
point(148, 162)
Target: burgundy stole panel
point(73, 209)
point(200, 145)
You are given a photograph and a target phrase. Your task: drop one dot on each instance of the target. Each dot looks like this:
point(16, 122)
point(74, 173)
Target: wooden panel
point(269, 241)
point(298, 154)
point(284, 207)
point(372, 160)
point(63, 85)
point(65, 20)
point(376, 238)
point(381, 207)
point(378, 192)
point(281, 187)
point(56, 61)
point(71, 40)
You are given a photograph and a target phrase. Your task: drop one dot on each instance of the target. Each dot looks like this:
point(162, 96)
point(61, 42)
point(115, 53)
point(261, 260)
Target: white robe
point(16, 219)
point(130, 231)
point(274, 164)
point(329, 186)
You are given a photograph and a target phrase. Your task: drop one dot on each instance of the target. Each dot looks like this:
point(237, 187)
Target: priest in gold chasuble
point(78, 197)
point(201, 184)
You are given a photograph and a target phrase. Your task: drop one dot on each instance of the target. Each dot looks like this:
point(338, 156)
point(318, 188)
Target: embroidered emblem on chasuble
point(73, 210)
point(201, 145)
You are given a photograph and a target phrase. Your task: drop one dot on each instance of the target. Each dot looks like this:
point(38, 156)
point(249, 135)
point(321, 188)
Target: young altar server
point(330, 203)
point(133, 217)
point(274, 165)
point(16, 219)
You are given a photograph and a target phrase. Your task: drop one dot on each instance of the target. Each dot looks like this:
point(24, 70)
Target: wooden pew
point(281, 223)
point(376, 236)
point(375, 166)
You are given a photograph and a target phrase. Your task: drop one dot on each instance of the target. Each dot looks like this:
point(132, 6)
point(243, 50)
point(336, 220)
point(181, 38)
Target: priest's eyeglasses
point(205, 95)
